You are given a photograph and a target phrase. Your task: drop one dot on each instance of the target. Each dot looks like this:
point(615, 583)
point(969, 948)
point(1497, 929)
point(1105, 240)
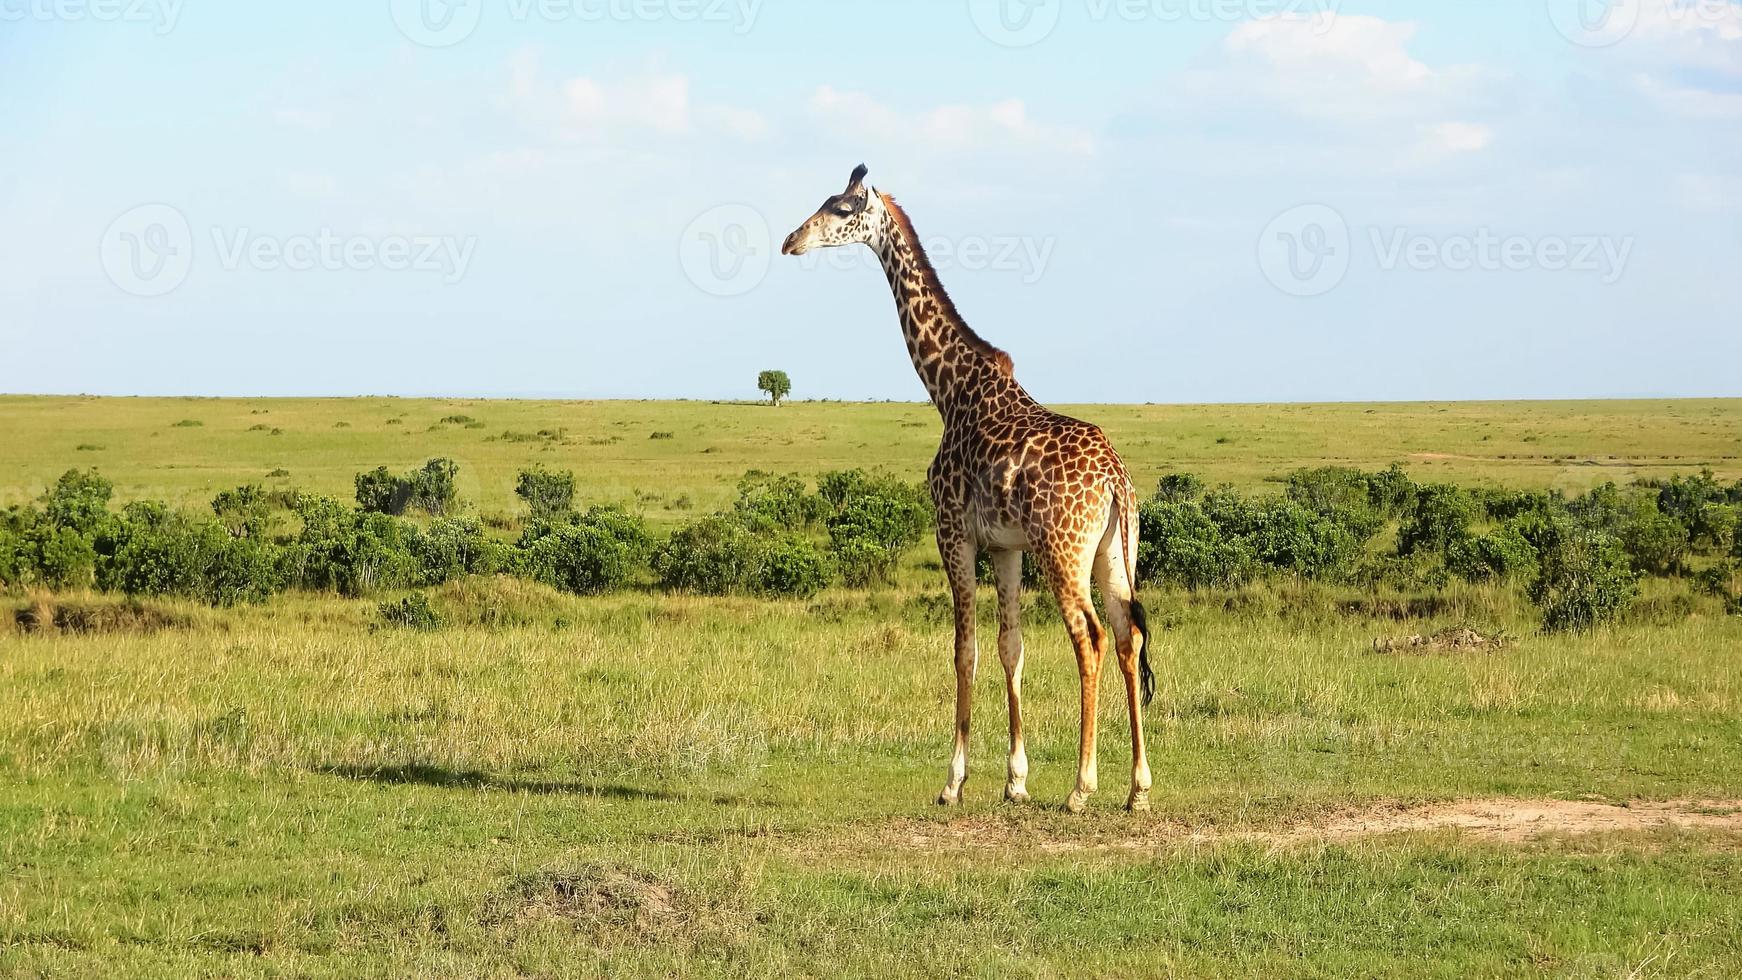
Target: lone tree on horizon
point(776, 384)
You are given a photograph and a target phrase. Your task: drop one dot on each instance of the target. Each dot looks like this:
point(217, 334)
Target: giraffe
point(1009, 477)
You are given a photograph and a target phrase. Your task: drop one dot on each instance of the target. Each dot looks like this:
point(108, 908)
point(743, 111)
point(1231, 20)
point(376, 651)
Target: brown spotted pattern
point(1009, 477)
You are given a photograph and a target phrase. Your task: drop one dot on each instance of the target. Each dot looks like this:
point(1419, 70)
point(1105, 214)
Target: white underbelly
point(1002, 537)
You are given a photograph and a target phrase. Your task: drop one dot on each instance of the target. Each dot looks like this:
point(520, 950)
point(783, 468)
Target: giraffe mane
point(946, 306)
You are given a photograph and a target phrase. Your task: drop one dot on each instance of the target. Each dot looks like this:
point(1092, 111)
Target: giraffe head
point(854, 216)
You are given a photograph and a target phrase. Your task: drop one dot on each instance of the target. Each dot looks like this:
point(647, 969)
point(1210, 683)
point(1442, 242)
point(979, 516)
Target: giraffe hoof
point(1077, 802)
point(1138, 802)
point(947, 798)
point(1015, 794)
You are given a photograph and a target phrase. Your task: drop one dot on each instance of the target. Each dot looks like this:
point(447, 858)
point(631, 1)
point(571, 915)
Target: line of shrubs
point(1578, 557)
point(780, 539)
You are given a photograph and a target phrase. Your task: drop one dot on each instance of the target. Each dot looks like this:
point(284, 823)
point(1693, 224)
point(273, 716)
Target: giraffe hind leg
point(1069, 577)
point(1116, 592)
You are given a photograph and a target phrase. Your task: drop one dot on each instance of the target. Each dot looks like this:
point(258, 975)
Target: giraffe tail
point(1139, 617)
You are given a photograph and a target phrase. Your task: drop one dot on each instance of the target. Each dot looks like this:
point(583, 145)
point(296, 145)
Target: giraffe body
point(1009, 477)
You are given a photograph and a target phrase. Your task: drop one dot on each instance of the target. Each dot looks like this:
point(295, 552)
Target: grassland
point(648, 785)
point(186, 450)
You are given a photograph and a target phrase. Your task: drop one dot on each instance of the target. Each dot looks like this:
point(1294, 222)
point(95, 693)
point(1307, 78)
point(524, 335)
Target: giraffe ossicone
point(1009, 477)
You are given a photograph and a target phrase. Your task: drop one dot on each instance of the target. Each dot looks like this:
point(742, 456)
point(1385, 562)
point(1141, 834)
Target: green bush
point(1440, 514)
point(870, 532)
point(64, 558)
point(1179, 544)
point(1655, 541)
point(12, 561)
point(593, 553)
point(712, 556)
point(148, 552)
point(78, 501)
point(1502, 554)
point(433, 488)
point(349, 551)
point(1714, 527)
point(875, 518)
point(793, 567)
point(1289, 537)
point(1391, 491)
point(380, 492)
point(1340, 494)
point(1584, 579)
point(1177, 488)
point(1504, 505)
point(547, 493)
point(767, 502)
point(246, 512)
point(151, 551)
point(412, 612)
point(430, 488)
point(721, 555)
point(454, 547)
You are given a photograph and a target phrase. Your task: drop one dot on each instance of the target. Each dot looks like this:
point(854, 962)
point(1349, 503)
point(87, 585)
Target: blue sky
point(1142, 200)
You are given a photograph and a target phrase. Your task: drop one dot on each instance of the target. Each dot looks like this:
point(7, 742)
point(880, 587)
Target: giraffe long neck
point(955, 364)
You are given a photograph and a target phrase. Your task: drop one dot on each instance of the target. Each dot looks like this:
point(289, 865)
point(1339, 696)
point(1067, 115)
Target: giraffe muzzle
point(792, 246)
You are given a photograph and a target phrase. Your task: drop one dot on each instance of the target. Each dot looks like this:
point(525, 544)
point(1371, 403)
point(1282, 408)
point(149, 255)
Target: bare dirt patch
point(603, 901)
point(1520, 820)
point(1453, 639)
point(1504, 820)
point(48, 614)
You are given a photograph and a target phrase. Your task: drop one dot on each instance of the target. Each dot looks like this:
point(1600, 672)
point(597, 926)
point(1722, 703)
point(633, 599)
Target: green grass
point(610, 447)
point(648, 785)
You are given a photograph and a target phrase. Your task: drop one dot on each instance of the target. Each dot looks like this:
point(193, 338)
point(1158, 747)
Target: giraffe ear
point(858, 179)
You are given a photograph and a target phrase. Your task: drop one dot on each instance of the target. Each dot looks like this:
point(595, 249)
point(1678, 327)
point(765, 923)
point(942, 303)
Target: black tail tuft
point(1140, 619)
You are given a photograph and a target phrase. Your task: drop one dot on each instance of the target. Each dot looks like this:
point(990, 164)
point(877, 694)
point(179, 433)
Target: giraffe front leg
point(1008, 565)
point(958, 559)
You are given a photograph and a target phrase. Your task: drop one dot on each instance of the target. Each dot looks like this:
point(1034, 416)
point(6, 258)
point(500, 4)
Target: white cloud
point(1705, 34)
point(949, 128)
point(1343, 95)
point(587, 109)
point(1354, 70)
point(1456, 137)
point(1687, 56)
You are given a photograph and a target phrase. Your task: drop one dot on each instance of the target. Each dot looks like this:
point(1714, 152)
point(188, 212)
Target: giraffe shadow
point(477, 780)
